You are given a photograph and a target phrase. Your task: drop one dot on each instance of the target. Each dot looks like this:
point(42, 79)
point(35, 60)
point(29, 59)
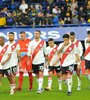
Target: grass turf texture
point(54, 94)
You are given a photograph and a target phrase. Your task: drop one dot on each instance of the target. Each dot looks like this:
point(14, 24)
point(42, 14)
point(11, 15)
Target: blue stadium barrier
point(49, 32)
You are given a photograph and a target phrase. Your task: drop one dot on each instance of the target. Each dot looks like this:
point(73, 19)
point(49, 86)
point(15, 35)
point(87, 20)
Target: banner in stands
point(54, 32)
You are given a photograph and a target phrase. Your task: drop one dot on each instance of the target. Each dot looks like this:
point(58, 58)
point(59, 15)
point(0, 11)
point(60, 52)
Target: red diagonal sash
point(39, 46)
point(68, 50)
point(87, 51)
point(3, 52)
point(14, 46)
point(52, 53)
point(76, 43)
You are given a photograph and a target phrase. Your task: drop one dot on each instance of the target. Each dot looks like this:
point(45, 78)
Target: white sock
point(40, 83)
point(79, 81)
point(60, 84)
point(69, 83)
point(88, 76)
point(13, 86)
point(49, 83)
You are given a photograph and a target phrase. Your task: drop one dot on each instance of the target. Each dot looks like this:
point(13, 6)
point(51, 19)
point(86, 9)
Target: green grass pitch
point(54, 94)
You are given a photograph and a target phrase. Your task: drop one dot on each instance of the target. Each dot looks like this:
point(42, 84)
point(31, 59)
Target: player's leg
point(9, 74)
point(87, 69)
point(1, 75)
point(30, 80)
point(58, 72)
point(50, 73)
point(78, 76)
point(69, 78)
point(29, 70)
point(40, 80)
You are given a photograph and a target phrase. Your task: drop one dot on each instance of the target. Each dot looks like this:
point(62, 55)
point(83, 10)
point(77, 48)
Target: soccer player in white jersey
point(37, 49)
point(14, 59)
point(77, 44)
point(5, 56)
point(87, 55)
point(68, 52)
point(53, 63)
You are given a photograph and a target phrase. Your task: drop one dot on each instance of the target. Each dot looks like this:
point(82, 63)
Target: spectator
point(40, 19)
point(74, 5)
point(41, 9)
point(82, 20)
point(23, 7)
point(2, 18)
point(15, 18)
point(74, 19)
point(25, 20)
point(56, 10)
point(9, 20)
point(55, 20)
point(67, 18)
point(81, 12)
point(88, 12)
point(61, 21)
point(63, 11)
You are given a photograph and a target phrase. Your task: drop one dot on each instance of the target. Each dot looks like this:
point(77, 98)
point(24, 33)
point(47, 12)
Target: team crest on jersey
point(40, 45)
point(26, 44)
point(75, 46)
point(13, 46)
point(3, 49)
point(54, 50)
point(70, 48)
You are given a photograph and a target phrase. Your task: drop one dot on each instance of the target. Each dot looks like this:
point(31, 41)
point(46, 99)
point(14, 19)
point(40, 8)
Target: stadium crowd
point(44, 12)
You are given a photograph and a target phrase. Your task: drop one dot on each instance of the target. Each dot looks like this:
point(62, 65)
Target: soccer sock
point(88, 76)
point(20, 79)
point(49, 82)
point(40, 82)
point(79, 81)
point(30, 80)
point(12, 86)
point(69, 83)
point(60, 84)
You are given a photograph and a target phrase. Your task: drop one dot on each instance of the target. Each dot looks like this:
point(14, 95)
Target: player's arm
point(80, 49)
point(78, 59)
point(47, 61)
point(8, 58)
point(61, 47)
point(57, 60)
point(9, 50)
point(29, 53)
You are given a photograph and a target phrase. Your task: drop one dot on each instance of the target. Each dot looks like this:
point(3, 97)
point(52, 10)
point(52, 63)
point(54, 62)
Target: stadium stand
point(44, 13)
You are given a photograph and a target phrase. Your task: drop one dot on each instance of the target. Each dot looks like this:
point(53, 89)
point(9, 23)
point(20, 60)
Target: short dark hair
point(38, 31)
point(72, 33)
point(22, 32)
point(50, 39)
point(66, 36)
point(11, 33)
point(88, 32)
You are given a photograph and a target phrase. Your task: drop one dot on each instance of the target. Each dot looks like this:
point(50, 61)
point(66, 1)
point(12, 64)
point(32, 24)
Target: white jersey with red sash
point(77, 44)
point(37, 49)
point(87, 50)
point(51, 52)
point(68, 55)
point(14, 46)
point(4, 51)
